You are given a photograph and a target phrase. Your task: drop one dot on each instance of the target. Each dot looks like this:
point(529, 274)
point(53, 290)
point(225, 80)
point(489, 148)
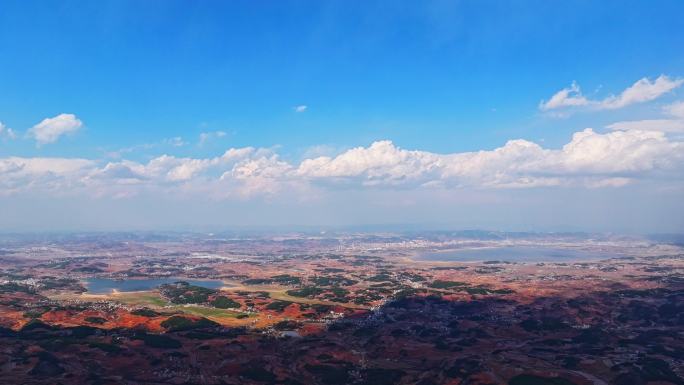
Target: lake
point(516, 254)
point(107, 285)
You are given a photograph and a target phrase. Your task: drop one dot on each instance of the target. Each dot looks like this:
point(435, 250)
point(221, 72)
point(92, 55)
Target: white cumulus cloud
point(51, 129)
point(567, 97)
point(643, 90)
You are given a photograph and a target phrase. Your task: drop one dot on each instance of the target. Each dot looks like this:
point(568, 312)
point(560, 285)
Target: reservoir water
point(516, 254)
point(107, 285)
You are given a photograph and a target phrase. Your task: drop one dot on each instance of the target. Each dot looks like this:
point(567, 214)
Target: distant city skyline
point(528, 116)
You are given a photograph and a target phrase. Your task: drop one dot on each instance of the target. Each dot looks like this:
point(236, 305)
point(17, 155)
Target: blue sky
point(442, 77)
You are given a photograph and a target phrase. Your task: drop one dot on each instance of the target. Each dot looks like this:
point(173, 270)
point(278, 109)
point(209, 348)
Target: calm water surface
point(516, 254)
point(106, 285)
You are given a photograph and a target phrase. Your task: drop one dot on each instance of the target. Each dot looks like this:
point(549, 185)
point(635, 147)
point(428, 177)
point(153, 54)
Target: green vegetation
point(35, 324)
point(60, 283)
point(161, 341)
point(365, 297)
point(413, 277)
point(337, 294)
point(12, 287)
point(286, 279)
point(145, 312)
point(503, 291)
point(258, 281)
point(333, 281)
point(224, 303)
point(179, 323)
point(182, 293)
point(321, 309)
point(382, 277)
point(403, 293)
point(286, 325)
point(95, 320)
point(88, 269)
point(278, 305)
point(476, 290)
point(35, 313)
point(306, 291)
